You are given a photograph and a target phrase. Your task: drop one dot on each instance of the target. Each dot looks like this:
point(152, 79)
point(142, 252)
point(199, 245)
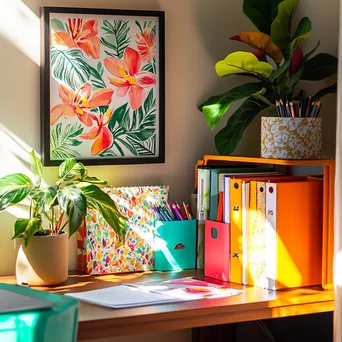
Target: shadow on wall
point(217, 21)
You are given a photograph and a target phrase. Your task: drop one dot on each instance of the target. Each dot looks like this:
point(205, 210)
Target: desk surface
point(253, 304)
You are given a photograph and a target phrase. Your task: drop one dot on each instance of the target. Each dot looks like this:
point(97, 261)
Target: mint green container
point(56, 323)
point(175, 245)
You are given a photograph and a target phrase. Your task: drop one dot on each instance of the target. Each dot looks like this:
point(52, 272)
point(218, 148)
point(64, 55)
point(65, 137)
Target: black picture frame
point(47, 90)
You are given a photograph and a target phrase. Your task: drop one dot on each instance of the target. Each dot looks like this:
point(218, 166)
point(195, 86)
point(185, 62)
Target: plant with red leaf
point(277, 63)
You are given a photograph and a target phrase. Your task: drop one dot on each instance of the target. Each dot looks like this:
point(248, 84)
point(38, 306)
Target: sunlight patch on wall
point(21, 27)
point(14, 158)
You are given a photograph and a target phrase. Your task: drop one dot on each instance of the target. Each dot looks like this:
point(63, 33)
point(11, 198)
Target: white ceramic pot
point(291, 138)
point(44, 261)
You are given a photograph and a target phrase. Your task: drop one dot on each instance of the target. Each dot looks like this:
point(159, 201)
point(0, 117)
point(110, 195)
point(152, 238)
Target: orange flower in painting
point(129, 78)
point(103, 136)
point(79, 102)
point(81, 36)
point(146, 43)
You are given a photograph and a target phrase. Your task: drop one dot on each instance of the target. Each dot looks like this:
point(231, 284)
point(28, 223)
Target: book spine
point(226, 200)
point(245, 211)
point(203, 189)
point(214, 194)
point(236, 231)
point(261, 280)
point(271, 235)
point(252, 231)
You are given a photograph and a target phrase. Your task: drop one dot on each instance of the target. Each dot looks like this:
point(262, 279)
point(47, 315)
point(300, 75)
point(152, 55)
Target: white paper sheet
point(122, 296)
point(157, 292)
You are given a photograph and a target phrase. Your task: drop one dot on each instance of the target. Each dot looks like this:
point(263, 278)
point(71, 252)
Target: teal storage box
point(28, 315)
point(175, 245)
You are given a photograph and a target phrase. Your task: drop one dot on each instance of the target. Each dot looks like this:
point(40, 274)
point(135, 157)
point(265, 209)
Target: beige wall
point(197, 34)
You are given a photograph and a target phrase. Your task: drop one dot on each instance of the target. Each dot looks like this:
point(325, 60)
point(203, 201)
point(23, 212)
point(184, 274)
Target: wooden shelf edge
point(289, 162)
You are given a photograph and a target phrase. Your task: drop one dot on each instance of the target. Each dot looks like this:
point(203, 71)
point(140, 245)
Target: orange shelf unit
point(328, 200)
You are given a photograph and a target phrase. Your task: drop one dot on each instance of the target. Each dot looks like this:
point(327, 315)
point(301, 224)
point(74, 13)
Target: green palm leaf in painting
point(115, 37)
point(135, 131)
point(144, 148)
point(69, 67)
point(63, 141)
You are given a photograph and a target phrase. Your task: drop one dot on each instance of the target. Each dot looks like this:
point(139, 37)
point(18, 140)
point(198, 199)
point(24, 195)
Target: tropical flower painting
point(105, 87)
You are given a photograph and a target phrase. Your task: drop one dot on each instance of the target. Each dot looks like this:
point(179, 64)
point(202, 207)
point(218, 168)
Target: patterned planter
point(291, 138)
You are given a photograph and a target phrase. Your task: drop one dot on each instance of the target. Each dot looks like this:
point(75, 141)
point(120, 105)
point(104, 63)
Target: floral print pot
point(291, 138)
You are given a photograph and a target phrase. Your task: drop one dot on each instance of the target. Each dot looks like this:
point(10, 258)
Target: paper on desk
point(188, 289)
point(151, 293)
point(122, 296)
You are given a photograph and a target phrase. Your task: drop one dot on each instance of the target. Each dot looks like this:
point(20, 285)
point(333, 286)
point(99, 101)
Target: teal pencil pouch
point(175, 245)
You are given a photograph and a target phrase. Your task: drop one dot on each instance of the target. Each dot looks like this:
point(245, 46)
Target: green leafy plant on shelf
point(71, 196)
point(277, 65)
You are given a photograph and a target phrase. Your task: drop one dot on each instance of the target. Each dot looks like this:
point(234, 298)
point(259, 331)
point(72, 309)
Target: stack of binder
point(270, 231)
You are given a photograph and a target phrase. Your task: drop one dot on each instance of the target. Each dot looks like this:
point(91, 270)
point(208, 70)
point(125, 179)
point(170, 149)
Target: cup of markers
point(169, 211)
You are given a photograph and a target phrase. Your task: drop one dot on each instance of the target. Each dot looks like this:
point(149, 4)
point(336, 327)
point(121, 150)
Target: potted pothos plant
point(42, 257)
point(276, 64)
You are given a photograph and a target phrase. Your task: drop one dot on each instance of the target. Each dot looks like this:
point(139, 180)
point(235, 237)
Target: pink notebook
point(216, 250)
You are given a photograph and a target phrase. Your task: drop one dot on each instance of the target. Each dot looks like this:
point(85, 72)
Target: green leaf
point(74, 203)
point(96, 77)
point(280, 71)
point(320, 67)
point(148, 67)
point(328, 90)
point(118, 116)
point(26, 228)
point(281, 26)
point(261, 13)
point(20, 227)
point(93, 180)
point(13, 189)
point(150, 101)
point(128, 145)
point(215, 107)
point(115, 36)
point(141, 148)
point(303, 31)
point(45, 198)
point(228, 138)
point(69, 67)
point(62, 141)
point(107, 154)
point(57, 25)
point(36, 165)
point(99, 200)
point(138, 24)
point(71, 170)
point(100, 68)
point(145, 123)
point(243, 62)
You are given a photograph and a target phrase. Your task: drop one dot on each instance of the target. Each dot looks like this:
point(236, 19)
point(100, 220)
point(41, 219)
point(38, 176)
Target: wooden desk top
point(98, 322)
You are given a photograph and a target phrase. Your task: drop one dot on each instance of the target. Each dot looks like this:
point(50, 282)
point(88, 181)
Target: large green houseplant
point(277, 65)
point(51, 209)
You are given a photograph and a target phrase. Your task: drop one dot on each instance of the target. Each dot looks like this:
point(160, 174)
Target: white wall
point(197, 33)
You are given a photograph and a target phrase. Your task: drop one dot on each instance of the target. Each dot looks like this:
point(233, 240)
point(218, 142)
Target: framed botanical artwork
point(102, 86)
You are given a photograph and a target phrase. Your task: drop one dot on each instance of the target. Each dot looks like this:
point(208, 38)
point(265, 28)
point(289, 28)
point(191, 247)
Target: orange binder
point(294, 234)
point(237, 271)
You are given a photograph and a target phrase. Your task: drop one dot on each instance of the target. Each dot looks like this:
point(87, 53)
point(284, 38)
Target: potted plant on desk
point(276, 65)
point(42, 257)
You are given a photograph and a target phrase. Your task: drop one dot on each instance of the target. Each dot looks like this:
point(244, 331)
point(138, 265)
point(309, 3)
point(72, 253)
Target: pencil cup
point(175, 244)
point(291, 138)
